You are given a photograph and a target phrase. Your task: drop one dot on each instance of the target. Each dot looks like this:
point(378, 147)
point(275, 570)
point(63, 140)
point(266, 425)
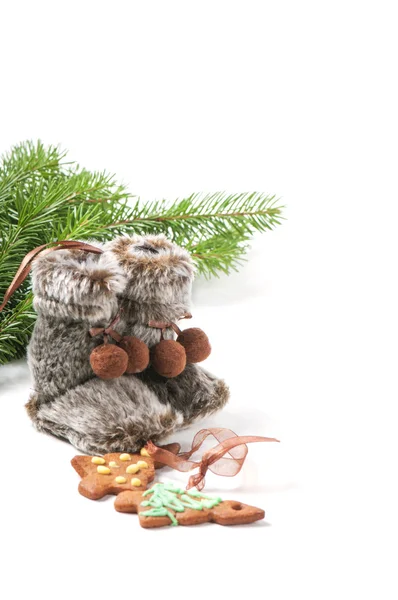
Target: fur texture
point(77, 285)
point(73, 291)
point(159, 278)
point(148, 278)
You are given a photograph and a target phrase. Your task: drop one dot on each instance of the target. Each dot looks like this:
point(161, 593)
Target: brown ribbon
point(26, 265)
point(213, 459)
point(166, 324)
point(108, 330)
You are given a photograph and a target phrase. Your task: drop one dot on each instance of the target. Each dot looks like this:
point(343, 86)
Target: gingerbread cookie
point(164, 504)
point(116, 472)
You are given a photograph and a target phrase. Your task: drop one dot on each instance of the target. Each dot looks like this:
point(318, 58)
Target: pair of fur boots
point(142, 279)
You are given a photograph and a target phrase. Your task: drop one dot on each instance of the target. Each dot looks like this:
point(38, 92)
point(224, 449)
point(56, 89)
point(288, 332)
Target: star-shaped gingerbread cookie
point(116, 472)
point(164, 504)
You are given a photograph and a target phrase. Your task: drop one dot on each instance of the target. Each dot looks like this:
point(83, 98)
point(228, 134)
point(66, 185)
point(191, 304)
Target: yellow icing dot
point(136, 482)
point(141, 464)
point(113, 464)
point(125, 457)
point(133, 469)
point(120, 479)
point(97, 460)
point(103, 470)
point(144, 452)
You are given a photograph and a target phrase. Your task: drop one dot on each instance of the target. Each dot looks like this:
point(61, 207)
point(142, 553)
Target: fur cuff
point(76, 284)
point(156, 269)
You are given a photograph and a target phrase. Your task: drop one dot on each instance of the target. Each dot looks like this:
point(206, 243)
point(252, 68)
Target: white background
point(293, 98)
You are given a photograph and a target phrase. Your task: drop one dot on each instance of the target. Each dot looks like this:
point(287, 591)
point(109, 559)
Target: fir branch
point(44, 198)
point(205, 215)
point(15, 329)
point(218, 253)
point(28, 161)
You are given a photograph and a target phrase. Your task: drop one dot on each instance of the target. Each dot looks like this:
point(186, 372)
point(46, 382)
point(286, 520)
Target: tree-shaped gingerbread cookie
point(165, 504)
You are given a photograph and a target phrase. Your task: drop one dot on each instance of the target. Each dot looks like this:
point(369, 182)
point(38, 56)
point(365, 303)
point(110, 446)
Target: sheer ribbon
point(213, 459)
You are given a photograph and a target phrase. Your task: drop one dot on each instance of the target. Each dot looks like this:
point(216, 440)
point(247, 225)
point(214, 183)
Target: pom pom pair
point(109, 361)
point(169, 357)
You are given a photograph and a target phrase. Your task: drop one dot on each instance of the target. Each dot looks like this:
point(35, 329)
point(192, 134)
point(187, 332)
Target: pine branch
point(15, 329)
point(205, 215)
point(218, 253)
point(43, 199)
point(28, 162)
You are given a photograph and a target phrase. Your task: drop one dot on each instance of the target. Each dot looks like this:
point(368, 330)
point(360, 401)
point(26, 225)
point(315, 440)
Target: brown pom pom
point(138, 353)
point(196, 344)
point(108, 361)
point(168, 358)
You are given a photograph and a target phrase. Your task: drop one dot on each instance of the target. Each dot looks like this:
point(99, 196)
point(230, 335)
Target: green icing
point(191, 503)
point(197, 494)
point(160, 512)
point(163, 496)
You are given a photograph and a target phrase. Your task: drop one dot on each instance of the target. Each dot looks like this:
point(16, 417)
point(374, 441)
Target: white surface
point(296, 99)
